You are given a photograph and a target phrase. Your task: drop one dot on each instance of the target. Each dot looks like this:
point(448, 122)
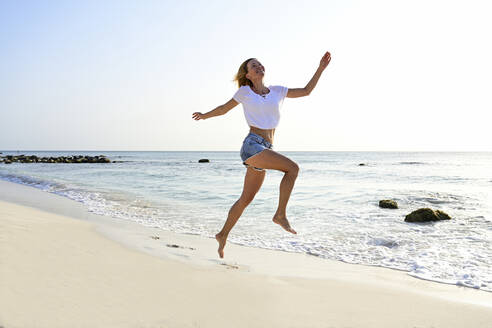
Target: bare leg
point(286, 186)
point(270, 159)
point(252, 183)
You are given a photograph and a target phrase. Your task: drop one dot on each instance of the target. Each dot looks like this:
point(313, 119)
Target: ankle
point(221, 235)
point(280, 214)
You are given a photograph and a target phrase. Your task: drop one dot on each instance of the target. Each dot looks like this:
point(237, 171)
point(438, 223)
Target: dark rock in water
point(426, 215)
point(61, 159)
point(362, 164)
point(8, 162)
point(203, 160)
point(388, 203)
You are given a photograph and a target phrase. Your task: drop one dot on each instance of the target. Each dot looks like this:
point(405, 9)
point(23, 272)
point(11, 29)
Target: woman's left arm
point(302, 92)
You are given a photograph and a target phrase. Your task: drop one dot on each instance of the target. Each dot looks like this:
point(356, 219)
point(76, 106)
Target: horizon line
point(307, 151)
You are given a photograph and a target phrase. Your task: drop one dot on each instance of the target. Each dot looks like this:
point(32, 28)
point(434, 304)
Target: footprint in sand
point(178, 246)
point(230, 266)
point(173, 245)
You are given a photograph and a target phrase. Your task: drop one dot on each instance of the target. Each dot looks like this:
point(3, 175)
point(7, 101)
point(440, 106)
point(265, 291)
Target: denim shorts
point(253, 144)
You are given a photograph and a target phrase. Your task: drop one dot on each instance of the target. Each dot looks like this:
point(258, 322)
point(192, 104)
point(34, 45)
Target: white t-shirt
point(261, 112)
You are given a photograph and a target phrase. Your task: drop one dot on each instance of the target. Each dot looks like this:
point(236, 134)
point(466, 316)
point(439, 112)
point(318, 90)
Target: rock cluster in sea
point(417, 216)
point(426, 214)
point(62, 159)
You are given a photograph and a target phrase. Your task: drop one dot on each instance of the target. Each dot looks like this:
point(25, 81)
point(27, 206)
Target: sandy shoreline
point(61, 266)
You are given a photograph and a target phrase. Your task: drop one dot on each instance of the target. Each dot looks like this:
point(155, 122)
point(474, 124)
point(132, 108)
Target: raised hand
point(325, 60)
point(198, 116)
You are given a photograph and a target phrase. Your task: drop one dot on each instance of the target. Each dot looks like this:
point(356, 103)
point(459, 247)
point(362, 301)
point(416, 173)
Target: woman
point(261, 109)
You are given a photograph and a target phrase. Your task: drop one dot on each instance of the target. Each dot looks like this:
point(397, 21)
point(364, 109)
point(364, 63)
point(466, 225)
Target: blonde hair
point(241, 74)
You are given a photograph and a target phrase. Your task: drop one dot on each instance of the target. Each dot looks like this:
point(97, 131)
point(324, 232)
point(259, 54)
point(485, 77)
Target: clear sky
point(127, 75)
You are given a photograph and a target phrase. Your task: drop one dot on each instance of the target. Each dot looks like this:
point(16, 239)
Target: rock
point(203, 160)
point(426, 215)
point(388, 203)
point(8, 161)
point(362, 164)
point(61, 159)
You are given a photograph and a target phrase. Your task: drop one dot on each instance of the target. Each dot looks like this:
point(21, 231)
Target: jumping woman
point(261, 108)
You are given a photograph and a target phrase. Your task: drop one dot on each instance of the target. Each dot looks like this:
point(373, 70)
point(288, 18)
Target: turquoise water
point(334, 205)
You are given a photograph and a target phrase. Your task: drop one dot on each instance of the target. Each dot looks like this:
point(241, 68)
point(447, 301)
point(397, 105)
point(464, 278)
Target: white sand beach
point(61, 266)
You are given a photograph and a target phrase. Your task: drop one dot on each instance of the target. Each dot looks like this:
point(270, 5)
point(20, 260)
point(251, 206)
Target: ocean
point(333, 207)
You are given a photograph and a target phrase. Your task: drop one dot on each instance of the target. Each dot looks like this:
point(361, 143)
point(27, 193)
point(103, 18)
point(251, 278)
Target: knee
point(293, 169)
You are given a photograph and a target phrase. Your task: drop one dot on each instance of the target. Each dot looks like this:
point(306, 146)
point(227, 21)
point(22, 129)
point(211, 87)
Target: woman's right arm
point(220, 110)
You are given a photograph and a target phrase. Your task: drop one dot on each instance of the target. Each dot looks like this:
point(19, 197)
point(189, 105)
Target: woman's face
point(255, 70)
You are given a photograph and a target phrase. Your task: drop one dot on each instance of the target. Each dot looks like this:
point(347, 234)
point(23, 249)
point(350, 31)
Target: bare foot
point(222, 241)
point(284, 223)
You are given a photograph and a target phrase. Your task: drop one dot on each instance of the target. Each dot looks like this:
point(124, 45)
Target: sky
point(127, 75)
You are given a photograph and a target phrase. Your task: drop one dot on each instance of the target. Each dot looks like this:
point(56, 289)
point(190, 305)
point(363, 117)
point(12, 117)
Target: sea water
point(333, 207)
